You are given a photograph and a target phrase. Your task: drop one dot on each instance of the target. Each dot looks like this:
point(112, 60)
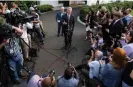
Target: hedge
point(44, 8)
point(24, 5)
point(85, 9)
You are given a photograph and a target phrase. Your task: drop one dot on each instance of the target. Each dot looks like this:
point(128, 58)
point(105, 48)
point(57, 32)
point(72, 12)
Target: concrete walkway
point(51, 57)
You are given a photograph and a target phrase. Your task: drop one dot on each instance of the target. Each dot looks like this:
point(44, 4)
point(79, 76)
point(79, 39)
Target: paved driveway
point(50, 57)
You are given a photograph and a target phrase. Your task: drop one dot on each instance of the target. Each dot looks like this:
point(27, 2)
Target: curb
point(78, 19)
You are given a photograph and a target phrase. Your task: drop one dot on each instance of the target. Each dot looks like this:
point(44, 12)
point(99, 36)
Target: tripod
point(68, 38)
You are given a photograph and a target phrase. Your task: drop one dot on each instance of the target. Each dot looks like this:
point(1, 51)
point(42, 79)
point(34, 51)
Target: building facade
point(66, 3)
point(56, 3)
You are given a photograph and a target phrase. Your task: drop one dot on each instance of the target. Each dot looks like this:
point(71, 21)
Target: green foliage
point(30, 3)
point(85, 9)
point(23, 6)
point(44, 8)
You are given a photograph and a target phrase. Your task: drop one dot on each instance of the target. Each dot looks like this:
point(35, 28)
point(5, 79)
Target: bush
point(22, 5)
point(44, 8)
point(85, 9)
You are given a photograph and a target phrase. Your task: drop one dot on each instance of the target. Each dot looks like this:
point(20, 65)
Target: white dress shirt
point(34, 81)
point(25, 27)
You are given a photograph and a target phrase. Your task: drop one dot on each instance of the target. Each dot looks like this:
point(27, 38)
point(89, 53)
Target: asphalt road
point(51, 56)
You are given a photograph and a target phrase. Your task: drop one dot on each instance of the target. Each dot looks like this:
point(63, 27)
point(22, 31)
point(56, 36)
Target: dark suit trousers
point(68, 38)
point(59, 28)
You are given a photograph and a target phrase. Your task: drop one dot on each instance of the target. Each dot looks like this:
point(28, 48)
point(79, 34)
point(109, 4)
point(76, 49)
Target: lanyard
point(38, 83)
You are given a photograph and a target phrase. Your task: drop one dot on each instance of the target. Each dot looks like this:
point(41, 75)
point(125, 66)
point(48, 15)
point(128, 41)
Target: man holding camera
point(11, 49)
point(68, 22)
point(69, 79)
point(37, 25)
point(37, 81)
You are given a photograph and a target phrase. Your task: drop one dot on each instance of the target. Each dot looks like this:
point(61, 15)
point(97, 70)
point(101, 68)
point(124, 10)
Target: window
point(60, 1)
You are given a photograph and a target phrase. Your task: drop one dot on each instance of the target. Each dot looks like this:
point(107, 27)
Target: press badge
point(11, 51)
point(58, 20)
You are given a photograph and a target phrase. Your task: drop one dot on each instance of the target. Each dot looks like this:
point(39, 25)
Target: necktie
point(68, 17)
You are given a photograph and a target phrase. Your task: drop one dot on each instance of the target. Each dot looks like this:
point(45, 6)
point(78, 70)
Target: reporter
point(94, 65)
point(67, 80)
point(12, 51)
point(26, 40)
point(36, 25)
point(37, 81)
point(129, 47)
point(111, 75)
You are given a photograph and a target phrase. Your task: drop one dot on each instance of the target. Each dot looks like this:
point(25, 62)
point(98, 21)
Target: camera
point(5, 32)
point(52, 73)
point(21, 17)
point(69, 64)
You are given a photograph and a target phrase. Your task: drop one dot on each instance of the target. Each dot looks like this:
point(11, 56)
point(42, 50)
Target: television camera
point(17, 17)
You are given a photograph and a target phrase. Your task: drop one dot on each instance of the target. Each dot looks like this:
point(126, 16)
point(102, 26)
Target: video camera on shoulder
point(22, 17)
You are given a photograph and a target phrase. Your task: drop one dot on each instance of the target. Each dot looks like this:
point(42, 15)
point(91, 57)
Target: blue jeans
point(15, 65)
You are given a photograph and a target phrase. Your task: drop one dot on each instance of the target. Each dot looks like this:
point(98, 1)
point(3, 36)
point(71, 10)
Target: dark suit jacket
point(124, 21)
point(58, 16)
point(117, 27)
point(70, 22)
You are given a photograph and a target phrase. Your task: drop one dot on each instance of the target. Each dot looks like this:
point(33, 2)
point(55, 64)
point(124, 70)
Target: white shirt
point(123, 42)
point(94, 69)
point(34, 81)
point(129, 50)
point(25, 26)
point(116, 21)
point(68, 16)
point(100, 41)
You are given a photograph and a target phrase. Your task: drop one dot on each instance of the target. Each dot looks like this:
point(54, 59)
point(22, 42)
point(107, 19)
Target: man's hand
point(6, 41)
point(18, 30)
point(100, 26)
point(64, 23)
point(35, 21)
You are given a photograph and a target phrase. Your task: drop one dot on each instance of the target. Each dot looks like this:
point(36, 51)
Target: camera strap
point(38, 83)
point(25, 42)
point(59, 78)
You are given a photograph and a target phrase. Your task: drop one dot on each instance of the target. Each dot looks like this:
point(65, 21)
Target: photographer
point(11, 49)
point(36, 25)
point(26, 40)
point(67, 80)
point(37, 81)
point(14, 7)
point(129, 47)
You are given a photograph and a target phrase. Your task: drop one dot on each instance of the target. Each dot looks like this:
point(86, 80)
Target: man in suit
point(59, 20)
point(125, 23)
point(116, 26)
point(68, 22)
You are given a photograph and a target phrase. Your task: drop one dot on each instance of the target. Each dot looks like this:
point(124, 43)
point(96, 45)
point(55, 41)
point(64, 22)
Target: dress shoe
point(23, 76)
point(27, 59)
